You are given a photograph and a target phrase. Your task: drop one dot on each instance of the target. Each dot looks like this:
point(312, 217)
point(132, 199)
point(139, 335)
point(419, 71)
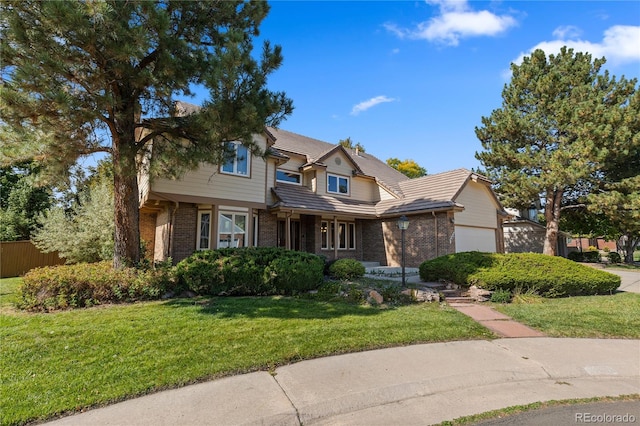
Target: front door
point(294, 234)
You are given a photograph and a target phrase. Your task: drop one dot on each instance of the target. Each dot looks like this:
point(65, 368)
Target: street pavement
point(630, 280)
point(600, 413)
point(411, 385)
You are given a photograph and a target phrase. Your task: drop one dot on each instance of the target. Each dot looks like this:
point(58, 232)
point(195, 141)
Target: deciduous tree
point(80, 78)
point(554, 131)
point(21, 200)
point(407, 167)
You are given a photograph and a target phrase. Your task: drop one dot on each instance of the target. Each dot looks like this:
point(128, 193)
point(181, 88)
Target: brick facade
point(426, 238)
point(267, 229)
point(377, 240)
point(148, 233)
point(183, 238)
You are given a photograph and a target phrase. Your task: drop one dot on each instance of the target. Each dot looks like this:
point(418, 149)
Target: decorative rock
point(479, 294)
point(422, 295)
point(375, 297)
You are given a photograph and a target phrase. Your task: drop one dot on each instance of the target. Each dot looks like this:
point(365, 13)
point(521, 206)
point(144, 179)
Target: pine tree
point(553, 133)
point(79, 78)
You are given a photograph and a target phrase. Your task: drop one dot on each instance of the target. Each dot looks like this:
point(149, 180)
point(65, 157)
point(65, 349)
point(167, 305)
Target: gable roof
point(440, 186)
point(316, 151)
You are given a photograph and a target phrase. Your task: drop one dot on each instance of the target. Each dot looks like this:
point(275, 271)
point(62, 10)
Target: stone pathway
point(500, 324)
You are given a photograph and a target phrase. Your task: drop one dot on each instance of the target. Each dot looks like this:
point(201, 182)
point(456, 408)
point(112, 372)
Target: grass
point(54, 363)
point(615, 316)
point(519, 409)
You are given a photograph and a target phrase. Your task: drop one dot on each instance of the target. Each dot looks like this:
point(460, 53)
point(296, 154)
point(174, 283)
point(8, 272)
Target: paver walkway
point(500, 324)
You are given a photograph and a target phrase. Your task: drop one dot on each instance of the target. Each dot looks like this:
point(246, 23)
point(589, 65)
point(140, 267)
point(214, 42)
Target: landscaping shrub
point(548, 275)
point(501, 296)
point(295, 272)
point(614, 257)
point(584, 256)
point(250, 271)
point(454, 267)
point(346, 269)
point(88, 284)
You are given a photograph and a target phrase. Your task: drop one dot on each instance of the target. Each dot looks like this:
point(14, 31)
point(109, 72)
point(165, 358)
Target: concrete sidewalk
point(412, 385)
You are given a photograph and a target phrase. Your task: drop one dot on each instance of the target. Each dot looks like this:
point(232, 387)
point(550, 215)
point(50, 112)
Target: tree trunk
point(552, 216)
point(125, 191)
point(629, 246)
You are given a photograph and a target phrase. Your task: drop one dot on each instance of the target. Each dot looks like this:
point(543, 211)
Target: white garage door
point(475, 239)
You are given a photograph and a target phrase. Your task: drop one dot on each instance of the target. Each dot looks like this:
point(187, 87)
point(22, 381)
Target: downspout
point(335, 237)
point(171, 219)
point(435, 225)
point(287, 231)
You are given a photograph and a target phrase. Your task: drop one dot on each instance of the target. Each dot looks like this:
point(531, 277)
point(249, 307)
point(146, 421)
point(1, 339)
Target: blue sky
point(412, 79)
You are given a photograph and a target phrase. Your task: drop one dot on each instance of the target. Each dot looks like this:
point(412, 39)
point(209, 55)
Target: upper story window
point(288, 177)
point(238, 164)
point(338, 184)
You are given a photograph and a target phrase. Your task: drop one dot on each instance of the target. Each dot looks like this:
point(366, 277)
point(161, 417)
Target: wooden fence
point(18, 257)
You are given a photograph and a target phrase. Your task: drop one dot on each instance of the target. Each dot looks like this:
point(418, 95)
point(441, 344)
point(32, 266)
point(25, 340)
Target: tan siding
point(344, 168)
point(479, 206)
point(361, 189)
point(383, 194)
point(207, 181)
point(143, 179)
point(270, 180)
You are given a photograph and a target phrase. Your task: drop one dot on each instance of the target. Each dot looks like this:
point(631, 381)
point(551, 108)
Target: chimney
point(357, 151)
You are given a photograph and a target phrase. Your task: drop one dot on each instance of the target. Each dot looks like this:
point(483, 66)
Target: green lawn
point(616, 316)
point(53, 363)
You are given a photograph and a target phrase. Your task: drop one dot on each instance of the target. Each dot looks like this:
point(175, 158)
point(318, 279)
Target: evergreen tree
point(79, 78)
point(553, 134)
point(407, 167)
point(348, 143)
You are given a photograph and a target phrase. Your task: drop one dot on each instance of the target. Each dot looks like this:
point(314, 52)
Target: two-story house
point(318, 197)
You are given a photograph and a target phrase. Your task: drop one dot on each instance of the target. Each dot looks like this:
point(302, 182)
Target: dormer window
point(286, 176)
point(238, 162)
point(337, 184)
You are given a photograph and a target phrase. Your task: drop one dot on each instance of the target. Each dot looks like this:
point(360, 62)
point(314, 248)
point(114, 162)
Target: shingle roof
point(315, 149)
point(439, 187)
point(301, 197)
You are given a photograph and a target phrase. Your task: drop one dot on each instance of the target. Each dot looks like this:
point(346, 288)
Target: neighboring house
point(318, 197)
point(583, 244)
point(523, 234)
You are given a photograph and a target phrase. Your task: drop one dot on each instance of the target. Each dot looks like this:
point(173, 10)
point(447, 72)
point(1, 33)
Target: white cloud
point(619, 45)
point(455, 21)
point(567, 31)
point(365, 105)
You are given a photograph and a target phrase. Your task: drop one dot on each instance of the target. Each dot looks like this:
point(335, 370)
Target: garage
point(475, 239)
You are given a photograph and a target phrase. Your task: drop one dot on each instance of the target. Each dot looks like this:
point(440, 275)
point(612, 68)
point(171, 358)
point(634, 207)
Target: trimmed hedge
point(591, 256)
point(250, 271)
point(88, 284)
point(548, 275)
point(346, 269)
point(614, 257)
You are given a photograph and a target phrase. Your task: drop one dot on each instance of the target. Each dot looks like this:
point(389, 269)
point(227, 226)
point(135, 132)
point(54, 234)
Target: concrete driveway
point(630, 279)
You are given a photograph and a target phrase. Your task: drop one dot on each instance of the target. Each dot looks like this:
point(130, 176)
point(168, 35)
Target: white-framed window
point(337, 184)
point(239, 162)
point(232, 229)
point(286, 176)
point(203, 239)
point(346, 235)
